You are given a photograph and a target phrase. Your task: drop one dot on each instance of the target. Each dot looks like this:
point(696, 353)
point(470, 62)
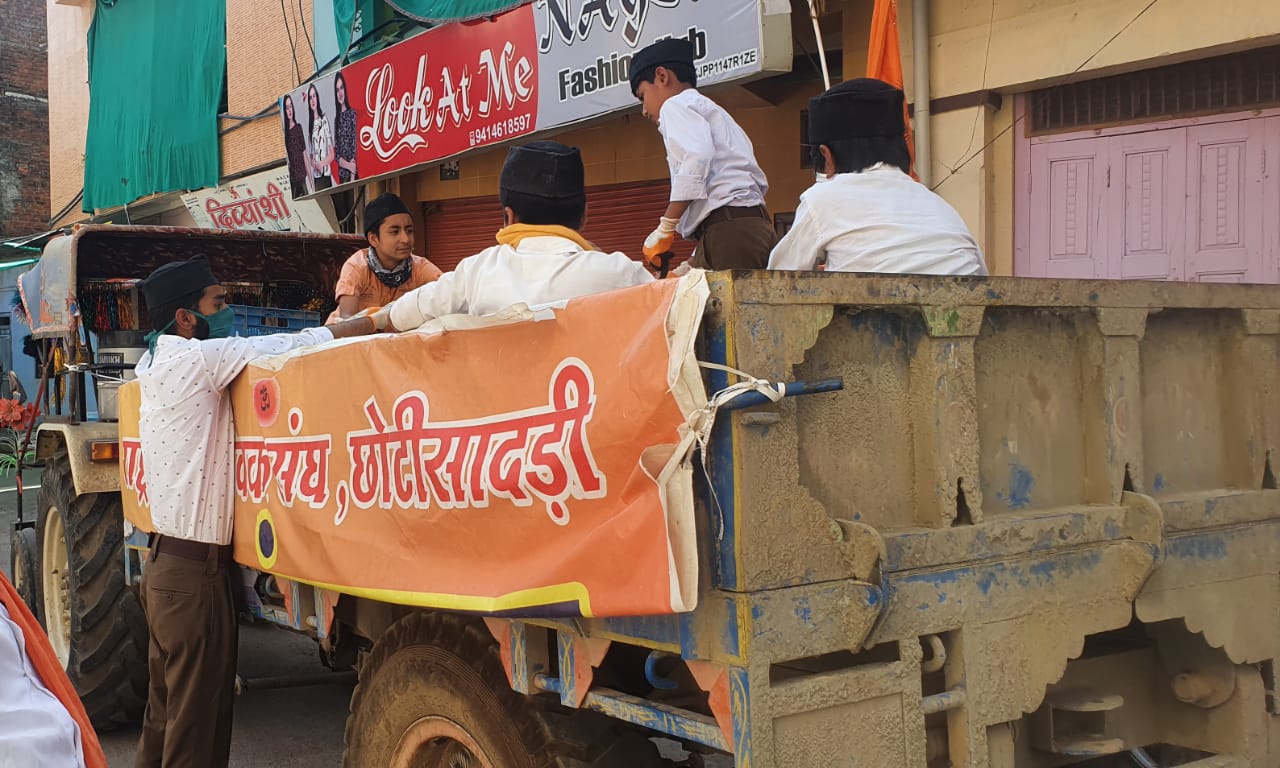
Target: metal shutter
point(619, 218)
point(457, 229)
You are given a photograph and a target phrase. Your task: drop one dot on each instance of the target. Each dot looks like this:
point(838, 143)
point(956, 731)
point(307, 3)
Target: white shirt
point(880, 220)
point(540, 270)
point(36, 731)
point(712, 161)
point(185, 428)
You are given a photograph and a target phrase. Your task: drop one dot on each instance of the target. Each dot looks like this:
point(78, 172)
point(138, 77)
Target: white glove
point(661, 239)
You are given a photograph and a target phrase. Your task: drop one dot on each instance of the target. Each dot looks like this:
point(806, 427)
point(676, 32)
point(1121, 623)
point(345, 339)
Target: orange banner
point(534, 462)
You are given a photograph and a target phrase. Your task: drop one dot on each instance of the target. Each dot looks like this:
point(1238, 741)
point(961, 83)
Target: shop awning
point(155, 82)
point(426, 11)
point(16, 251)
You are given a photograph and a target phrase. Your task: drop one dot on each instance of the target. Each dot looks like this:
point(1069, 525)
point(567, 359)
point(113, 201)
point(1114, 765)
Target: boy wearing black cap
point(540, 257)
point(866, 214)
point(388, 268)
point(185, 430)
point(717, 187)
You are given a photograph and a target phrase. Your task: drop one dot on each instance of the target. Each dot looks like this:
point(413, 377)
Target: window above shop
point(1241, 81)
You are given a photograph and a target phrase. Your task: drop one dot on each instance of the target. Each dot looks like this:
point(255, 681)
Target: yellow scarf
point(513, 234)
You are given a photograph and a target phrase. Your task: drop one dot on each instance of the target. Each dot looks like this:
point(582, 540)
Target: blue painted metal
point(739, 702)
point(1003, 576)
point(521, 675)
point(549, 683)
point(679, 723)
point(317, 599)
point(295, 605)
point(136, 542)
point(1207, 545)
point(688, 634)
point(941, 702)
point(789, 389)
point(720, 497)
point(656, 678)
point(568, 670)
point(661, 630)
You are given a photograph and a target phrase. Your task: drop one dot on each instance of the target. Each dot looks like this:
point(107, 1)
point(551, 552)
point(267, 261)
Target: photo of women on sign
point(346, 131)
point(321, 156)
point(295, 146)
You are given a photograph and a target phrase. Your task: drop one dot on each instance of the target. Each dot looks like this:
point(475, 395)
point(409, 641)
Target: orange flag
point(50, 671)
point(884, 59)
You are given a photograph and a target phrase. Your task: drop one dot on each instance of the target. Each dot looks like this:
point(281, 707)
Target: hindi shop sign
point(262, 202)
point(542, 66)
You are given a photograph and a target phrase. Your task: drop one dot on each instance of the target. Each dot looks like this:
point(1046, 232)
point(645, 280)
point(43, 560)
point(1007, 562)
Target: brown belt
point(728, 212)
point(192, 550)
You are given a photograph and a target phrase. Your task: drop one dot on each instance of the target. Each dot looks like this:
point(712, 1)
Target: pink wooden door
point(1149, 197)
point(1225, 206)
point(1271, 200)
point(1068, 222)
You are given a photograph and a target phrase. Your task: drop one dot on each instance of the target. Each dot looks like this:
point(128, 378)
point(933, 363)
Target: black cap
point(856, 109)
point(176, 280)
point(664, 53)
point(380, 208)
point(546, 169)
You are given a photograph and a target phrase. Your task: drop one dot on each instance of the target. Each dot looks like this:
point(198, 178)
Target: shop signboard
point(535, 69)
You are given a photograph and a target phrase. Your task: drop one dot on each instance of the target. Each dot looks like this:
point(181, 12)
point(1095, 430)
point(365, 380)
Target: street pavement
point(279, 728)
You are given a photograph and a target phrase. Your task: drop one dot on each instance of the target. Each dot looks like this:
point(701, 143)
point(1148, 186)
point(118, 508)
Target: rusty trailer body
point(1039, 526)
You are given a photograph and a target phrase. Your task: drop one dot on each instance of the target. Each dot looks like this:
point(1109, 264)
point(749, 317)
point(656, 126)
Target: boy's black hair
point(568, 212)
point(857, 155)
point(685, 73)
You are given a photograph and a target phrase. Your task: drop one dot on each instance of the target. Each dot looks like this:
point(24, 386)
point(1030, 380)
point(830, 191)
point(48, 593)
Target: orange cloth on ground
point(884, 60)
point(51, 673)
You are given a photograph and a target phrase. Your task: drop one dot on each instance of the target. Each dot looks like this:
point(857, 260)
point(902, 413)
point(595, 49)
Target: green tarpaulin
point(431, 11)
point(344, 20)
point(441, 11)
point(155, 83)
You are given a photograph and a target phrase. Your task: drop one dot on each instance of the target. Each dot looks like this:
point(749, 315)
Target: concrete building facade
point(1045, 193)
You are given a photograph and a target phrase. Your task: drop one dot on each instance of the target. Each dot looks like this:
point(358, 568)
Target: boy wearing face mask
point(186, 433)
point(387, 269)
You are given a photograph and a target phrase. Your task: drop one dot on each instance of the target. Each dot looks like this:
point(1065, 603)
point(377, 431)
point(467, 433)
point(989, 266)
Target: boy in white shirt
point(866, 214)
point(717, 187)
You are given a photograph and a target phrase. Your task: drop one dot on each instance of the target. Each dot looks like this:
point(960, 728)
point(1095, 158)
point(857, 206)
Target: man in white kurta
point(540, 257)
point(865, 214)
point(185, 431)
